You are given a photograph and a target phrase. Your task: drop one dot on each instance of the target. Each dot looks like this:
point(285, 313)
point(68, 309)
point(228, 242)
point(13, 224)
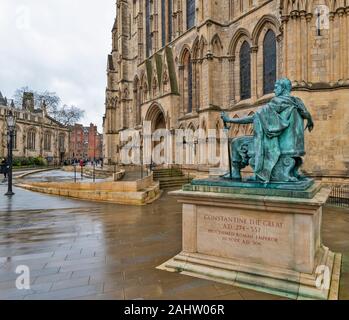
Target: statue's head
point(283, 87)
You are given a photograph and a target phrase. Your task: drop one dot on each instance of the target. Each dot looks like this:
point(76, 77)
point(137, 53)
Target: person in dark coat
point(4, 168)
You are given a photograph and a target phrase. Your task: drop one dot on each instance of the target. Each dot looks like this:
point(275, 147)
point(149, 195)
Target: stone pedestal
point(265, 243)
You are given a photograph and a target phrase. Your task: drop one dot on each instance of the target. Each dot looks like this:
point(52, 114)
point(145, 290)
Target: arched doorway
point(156, 117)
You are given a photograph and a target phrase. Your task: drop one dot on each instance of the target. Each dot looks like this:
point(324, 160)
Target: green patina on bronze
point(275, 150)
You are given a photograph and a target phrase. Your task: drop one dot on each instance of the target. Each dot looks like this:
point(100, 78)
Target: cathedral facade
point(179, 63)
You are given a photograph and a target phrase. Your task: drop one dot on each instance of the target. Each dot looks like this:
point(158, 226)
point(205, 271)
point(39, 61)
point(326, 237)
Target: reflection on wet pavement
point(27, 200)
point(82, 250)
point(59, 176)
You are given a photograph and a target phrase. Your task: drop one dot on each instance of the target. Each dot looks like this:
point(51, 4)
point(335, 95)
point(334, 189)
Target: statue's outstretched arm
point(305, 115)
point(245, 120)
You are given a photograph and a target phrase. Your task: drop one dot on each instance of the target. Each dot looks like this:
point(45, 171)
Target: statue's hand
point(310, 125)
point(224, 117)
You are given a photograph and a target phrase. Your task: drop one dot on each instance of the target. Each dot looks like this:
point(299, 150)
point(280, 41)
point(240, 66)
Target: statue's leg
point(297, 173)
point(239, 155)
point(236, 162)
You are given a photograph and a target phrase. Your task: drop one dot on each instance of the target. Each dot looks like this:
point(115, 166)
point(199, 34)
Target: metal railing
point(340, 196)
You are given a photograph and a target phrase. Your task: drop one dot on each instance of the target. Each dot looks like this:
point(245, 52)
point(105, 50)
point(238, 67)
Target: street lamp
point(94, 156)
point(11, 127)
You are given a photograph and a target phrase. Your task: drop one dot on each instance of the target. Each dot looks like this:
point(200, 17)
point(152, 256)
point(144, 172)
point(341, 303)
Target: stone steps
point(171, 178)
point(174, 182)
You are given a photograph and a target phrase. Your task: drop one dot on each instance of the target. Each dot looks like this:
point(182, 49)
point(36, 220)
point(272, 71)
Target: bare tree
point(67, 115)
point(51, 99)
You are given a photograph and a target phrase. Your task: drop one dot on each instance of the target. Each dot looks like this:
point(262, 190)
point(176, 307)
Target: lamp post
point(141, 154)
point(11, 127)
point(94, 156)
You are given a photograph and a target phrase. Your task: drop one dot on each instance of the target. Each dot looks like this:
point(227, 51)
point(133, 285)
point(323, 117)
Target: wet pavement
point(85, 250)
point(59, 176)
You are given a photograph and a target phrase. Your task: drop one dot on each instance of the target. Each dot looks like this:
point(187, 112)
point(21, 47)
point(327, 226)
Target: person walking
point(4, 168)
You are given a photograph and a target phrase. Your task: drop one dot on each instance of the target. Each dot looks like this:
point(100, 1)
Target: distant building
point(86, 142)
point(37, 134)
point(77, 141)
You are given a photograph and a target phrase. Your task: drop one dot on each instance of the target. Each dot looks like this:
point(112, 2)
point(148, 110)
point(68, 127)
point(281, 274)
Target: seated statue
point(276, 149)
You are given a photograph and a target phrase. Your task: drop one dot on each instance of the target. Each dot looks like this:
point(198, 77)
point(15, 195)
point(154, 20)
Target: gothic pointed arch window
point(47, 141)
point(147, 28)
point(245, 71)
point(15, 138)
point(163, 22)
point(190, 85)
point(166, 18)
point(190, 13)
point(31, 139)
point(169, 20)
point(269, 62)
point(61, 142)
point(188, 82)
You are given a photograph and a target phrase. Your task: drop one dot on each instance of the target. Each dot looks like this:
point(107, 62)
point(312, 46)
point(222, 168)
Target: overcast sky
point(60, 46)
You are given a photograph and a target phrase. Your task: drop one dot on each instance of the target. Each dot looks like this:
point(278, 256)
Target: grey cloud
point(59, 45)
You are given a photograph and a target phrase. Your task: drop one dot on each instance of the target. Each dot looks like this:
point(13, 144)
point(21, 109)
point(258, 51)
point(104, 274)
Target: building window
point(147, 28)
point(188, 82)
point(14, 141)
point(269, 62)
point(61, 142)
point(47, 141)
point(190, 85)
point(190, 13)
point(166, 18)
point(169, 20)
point(31, 140)
point(163, 22)
point(245, 71)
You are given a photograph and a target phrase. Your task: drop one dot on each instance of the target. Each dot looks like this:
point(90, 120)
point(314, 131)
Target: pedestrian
point(4, 168)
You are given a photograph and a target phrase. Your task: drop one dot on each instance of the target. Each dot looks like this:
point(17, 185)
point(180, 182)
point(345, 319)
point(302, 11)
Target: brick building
point(179, 63)
point(86, 142)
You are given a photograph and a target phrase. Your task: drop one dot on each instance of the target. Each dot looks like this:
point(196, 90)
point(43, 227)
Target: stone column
point(298, 47)
point(342, 62)
point(231, 81)
point(303, 47)
point(182, 90)
point(254, 73)
point(285, 45)
point(179, 18)
point(331, 42)
point(347, 44)
point(210, 64)
point(292, 48)
point(201, 91)
point(309, 17)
